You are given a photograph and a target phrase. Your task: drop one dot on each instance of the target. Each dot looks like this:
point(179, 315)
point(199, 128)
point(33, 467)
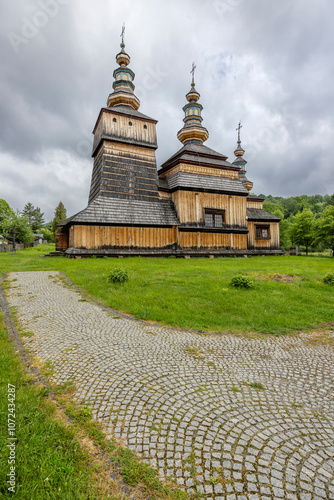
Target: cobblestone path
point(229, 417)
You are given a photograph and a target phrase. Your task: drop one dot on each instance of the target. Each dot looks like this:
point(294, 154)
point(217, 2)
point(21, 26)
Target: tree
point(48, 234)
point(303, 229)
point(5, 211)
point(60, 215)
point(34, 215)
point(325, 227)
point(23, 231)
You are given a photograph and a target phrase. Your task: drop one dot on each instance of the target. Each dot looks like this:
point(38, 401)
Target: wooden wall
point(255, 204)
point(121, 129)
point(190, 206)
point(272, 243)
point(199, 240)
point(61, 241)
point(95, 237)
point(216, 172)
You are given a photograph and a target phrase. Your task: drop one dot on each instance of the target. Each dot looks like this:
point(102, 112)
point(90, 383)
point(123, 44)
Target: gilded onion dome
point(192, 131)
point(241, 162)
point(123, 85)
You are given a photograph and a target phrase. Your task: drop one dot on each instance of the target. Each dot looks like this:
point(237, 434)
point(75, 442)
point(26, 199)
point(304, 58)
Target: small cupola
point(193, 131)
point(123, 94)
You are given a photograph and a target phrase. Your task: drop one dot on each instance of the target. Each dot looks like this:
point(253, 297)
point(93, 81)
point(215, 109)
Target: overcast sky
point(269, 64)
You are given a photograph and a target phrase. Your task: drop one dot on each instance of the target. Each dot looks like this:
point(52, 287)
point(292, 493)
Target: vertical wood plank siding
point(95, 237)
point(196, 240)
point(190, 206)
point(255, 204)
point(272, 243)
point(120, 129)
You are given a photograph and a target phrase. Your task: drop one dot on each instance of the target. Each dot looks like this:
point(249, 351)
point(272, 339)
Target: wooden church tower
point(198, 203)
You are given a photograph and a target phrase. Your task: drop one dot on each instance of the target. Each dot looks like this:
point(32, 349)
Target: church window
point(214, 218)
point(262, 232)
point(114, 120)
point(145, 126)
point(130, 123)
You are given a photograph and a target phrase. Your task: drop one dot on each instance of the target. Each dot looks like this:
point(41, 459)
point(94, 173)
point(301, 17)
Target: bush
point(118, 275)
point(329, 279)
point(242, 281)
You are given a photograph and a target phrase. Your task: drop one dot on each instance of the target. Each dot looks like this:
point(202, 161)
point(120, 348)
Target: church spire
point(241, 162)
point(193, 131)
point(123, 85)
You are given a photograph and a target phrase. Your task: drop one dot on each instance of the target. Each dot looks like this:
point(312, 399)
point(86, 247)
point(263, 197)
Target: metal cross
point(238, 129)
point(193, 73)
point(122, 34)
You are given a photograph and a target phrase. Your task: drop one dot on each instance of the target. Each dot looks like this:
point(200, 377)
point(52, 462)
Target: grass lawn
point(196, 293)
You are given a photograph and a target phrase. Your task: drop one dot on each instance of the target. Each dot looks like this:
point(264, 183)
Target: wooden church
point(196, 204)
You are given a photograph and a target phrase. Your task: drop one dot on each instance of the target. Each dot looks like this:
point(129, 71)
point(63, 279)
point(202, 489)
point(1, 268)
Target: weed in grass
point(26, 334)
point(65, 388)
point(211, 363)
point(195, 352)
point(257, 385)
point(329, 279)
point(191, 459)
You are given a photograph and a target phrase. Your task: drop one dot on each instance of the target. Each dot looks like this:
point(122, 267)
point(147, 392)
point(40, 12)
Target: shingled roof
point(256, 214)
point(193, 152)
point(199, 182)
point(119, 211)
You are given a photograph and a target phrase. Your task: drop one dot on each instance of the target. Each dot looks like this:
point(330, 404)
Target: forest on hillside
point(307, 221)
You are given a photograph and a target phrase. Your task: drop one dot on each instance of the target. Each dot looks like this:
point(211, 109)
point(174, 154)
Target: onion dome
point(193, 131)
point(123, 85)
point(241, 162)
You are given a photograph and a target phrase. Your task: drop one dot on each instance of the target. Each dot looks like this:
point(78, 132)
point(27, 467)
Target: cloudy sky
point(269, 64)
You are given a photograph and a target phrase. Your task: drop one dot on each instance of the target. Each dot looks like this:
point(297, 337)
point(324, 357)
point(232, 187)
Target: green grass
point(196, 293)
point(50, 463)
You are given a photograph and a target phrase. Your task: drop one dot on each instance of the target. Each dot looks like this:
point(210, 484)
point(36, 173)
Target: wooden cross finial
point(193, 73)
point(238, 129)
point(122, 34)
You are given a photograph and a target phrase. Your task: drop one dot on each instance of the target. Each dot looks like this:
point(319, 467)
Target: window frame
point(261, 228)
point(214, 212)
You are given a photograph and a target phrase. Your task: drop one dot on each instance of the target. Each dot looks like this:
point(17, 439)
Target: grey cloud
point(268, 64)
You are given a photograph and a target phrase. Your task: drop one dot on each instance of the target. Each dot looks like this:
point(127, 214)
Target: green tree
point(23, 231)
point(34, 215)
point(5, 211)
point(48, 234)
point(325, 227)
point(60, 215)
point(303, 229)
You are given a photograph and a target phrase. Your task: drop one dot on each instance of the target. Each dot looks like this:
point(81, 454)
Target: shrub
point(242, 281)
point(329, 279)
point(118, 275)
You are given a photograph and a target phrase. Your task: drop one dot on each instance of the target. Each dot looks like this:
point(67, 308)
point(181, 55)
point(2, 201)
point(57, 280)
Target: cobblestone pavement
point(226, 416)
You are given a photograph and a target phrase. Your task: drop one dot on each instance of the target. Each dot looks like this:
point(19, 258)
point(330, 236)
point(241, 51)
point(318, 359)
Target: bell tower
point(124, 142)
